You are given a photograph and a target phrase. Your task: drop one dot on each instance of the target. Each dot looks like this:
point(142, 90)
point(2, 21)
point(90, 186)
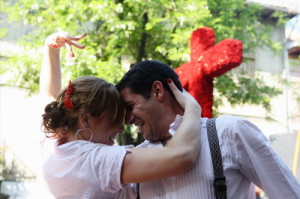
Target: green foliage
point(280, 17)
point(130, 136)
point(139, 29)
point(134, 30)
point(240, 89)
point(3, 32)
point(24, 69)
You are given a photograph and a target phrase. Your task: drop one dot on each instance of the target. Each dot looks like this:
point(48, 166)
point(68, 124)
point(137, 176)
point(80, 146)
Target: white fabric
point(82, 169)
point(246, 155)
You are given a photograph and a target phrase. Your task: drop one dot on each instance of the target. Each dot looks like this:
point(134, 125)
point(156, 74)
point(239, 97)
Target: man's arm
point(262, 165)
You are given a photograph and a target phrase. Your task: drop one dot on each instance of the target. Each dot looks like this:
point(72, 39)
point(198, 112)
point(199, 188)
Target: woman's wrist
point(193, 109)
point(51, 50)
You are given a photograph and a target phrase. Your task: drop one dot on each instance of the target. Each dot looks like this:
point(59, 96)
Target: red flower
point(68, 103)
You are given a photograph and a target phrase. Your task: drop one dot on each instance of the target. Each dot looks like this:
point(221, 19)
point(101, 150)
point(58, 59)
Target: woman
point(85, 118)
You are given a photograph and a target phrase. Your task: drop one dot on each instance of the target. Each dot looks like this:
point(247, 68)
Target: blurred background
point(263, 89)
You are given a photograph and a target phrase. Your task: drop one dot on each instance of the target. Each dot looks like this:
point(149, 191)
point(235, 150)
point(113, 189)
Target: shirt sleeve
point(109, 161)
point(262, 165)
point(128, 192)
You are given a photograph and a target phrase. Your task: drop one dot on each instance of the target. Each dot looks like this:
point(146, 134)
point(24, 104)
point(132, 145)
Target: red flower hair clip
point(68, 103)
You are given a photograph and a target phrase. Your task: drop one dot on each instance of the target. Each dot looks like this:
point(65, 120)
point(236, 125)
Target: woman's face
point(103, 131)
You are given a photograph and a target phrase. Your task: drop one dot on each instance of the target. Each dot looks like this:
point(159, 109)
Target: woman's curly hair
point(89, 95)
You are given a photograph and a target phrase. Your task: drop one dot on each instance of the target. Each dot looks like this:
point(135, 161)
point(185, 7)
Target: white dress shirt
point(82, 169)
point(247, 157)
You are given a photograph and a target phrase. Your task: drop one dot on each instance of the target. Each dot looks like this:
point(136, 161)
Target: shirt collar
point(174, 126)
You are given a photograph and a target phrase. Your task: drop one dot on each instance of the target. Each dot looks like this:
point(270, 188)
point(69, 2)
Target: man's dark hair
point(141, 77)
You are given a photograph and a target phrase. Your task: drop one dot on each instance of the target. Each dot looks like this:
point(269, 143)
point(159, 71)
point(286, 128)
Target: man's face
point(144, 113)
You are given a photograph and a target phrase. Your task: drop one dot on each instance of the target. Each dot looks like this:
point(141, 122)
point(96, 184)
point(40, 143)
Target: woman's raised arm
point(50, 76)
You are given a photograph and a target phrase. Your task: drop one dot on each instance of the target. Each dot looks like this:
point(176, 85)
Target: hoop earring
point(91, 132)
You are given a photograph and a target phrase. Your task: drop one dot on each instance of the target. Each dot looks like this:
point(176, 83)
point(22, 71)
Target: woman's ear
point(84, 120)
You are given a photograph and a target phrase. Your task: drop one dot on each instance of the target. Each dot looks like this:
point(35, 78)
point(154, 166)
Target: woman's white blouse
point(82, 169)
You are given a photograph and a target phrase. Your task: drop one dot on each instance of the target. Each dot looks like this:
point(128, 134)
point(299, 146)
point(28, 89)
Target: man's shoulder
point(227, 123)
point(143, 144)
point(149, 144)
point(234, 125)
point(229, 119)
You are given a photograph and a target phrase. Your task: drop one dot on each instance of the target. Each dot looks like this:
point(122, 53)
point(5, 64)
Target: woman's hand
point(64, 39)
point(183, 98)
point(50, 76)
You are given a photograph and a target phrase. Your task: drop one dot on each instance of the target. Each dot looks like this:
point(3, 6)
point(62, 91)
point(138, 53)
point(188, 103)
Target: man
point(246, 154)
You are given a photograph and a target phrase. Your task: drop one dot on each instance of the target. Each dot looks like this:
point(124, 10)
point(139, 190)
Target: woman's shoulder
point(107, 150)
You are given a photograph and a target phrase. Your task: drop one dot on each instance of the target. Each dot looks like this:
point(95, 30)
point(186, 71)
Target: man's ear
point(158, 90)
point(84, 120)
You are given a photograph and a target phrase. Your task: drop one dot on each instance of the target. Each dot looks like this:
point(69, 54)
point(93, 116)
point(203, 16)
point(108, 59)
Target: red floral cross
point(208, 61)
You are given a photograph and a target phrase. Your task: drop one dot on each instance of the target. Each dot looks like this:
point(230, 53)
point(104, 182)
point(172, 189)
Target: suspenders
point(137, 190)
point(216, 157)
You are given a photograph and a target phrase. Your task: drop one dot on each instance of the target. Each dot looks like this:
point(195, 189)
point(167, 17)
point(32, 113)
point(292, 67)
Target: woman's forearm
point(50, 76)
point(187, 137)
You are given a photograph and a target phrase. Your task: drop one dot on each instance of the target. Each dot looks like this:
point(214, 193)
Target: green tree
point(134, 30)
